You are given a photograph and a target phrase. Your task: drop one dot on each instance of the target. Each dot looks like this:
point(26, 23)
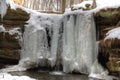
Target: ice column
point(79, 43)
point(34, 48)
point(3, 8)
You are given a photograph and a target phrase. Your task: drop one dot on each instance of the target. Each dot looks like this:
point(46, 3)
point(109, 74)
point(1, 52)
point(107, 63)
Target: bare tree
point(49, 5)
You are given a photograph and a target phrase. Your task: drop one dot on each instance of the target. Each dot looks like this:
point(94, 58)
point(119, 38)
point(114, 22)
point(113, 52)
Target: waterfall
point(35, 47)
point(40, 41)
point(79, 44)
point(54, 40)
point(69, 41)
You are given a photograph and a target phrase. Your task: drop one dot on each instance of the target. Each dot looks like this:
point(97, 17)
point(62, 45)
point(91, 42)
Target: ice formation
point(77, 48)
point(36, 51)
point(72, 37)
point(42, 42)
point(79, 43)
point(3, 8)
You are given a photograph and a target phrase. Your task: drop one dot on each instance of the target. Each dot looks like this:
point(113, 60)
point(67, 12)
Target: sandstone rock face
point(109, 17)
point(13, 23)
point(108, 49)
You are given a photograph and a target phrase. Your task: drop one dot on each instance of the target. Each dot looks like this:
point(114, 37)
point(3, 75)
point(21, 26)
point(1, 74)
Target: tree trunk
point(94, 4)
point(63, 5)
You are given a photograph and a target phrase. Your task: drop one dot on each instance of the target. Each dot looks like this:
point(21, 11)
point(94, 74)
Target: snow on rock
point(114, 33)
point(82, 5)
point(14, 31)
point(4, 4)
point(101, 4)
point(6, 76)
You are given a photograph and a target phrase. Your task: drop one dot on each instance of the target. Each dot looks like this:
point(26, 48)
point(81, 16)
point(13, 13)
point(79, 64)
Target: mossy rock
point(17, 14)
point(15, 18)
point(110, 16)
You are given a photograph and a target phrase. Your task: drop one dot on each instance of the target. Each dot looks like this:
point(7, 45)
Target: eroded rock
point(13, 22)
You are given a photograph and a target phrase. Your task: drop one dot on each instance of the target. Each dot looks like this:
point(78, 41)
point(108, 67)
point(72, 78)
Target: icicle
point(68, 44)
point(3, 8)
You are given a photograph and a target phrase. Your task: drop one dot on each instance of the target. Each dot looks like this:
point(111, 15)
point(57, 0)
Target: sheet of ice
point(6, 76)
point(112, 34)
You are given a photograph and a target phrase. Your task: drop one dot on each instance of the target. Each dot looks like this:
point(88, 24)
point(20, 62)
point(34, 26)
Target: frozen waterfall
point(70, 41)
point(80, 49)
point(40, 41)
point(54, 40)
point(79, 43)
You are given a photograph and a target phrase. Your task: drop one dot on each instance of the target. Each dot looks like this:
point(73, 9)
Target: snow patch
point(82, 4)
point(14, 31)
point(13, 69)
point(112, 34)
point(102, 77)
point(6, 76)
point(101, 4)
